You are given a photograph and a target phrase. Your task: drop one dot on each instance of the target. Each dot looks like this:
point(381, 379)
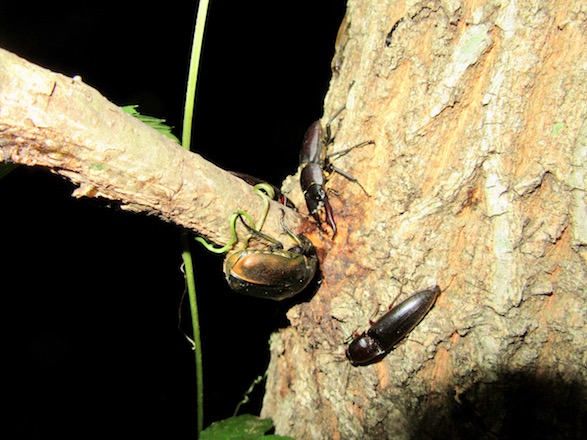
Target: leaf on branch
point(152, 121)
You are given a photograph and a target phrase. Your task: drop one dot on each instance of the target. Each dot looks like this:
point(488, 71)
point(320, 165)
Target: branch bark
point(478, 178)
point(50, 120)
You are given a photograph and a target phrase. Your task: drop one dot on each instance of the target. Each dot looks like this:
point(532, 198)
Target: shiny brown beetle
point(271, 273)
point(385, 333)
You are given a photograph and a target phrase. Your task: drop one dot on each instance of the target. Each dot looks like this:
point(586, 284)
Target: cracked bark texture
point(66, 126)
point(477, 181)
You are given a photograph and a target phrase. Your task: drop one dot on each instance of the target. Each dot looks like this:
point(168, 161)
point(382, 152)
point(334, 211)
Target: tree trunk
point(477, 181)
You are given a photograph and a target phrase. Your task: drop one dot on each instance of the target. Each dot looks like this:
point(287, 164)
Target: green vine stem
point(186, 253)
point(264, 191)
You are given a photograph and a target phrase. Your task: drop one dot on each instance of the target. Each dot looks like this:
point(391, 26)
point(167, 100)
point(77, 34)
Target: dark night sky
point(91, 294)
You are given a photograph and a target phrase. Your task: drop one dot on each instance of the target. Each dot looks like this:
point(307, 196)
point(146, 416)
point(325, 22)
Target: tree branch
point(50, 120)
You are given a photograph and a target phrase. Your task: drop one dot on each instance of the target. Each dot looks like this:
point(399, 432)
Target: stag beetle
point(279, 196)
point(271, 273)
point(316, 168)
point(384, 334)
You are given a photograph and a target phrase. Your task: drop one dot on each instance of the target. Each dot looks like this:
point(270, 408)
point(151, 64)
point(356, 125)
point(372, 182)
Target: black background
point(90, 295)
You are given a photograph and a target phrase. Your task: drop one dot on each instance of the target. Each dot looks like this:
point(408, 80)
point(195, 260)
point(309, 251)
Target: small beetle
point(316, 166)
point(385, 333)
point(279, 196)
point(271, 273)
point(312, 175)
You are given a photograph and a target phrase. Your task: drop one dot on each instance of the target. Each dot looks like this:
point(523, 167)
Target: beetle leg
point(349, 177)
point(287, 230)
point(256, 233)
point(329, 138)
point(340, 153)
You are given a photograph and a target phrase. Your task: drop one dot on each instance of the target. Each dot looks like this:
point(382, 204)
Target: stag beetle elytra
point(384, 334)
point(271, 273)
point(316, 167)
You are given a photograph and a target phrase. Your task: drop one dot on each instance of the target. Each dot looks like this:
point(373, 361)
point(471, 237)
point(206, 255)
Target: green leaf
point(153, 122)
point(6, 168)
point(243, 427)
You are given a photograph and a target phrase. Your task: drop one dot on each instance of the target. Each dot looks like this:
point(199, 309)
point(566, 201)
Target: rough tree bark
point(57, 122)
point(477, 180)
